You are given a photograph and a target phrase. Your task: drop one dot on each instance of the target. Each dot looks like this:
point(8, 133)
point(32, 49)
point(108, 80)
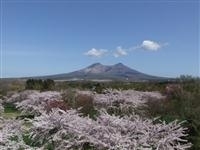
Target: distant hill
point(98, 71)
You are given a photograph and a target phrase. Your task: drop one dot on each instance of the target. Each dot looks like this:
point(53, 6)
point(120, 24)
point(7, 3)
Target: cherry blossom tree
point(35, 102)
point(69, 130)
point(124, 102)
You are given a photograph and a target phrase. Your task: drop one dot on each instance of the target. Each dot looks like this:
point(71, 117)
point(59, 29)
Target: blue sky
point(41, 37)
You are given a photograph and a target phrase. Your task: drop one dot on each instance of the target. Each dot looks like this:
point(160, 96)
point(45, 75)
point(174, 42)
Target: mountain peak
point(119, 64)
point(95, 64)
point(95, 68)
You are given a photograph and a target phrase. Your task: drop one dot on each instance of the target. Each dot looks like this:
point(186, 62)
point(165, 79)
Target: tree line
point(39, 84)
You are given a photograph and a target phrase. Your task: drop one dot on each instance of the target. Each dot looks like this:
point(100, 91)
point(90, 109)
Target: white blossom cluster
point(132, 97)
point(70, 131)
point(11, 135)
point(34, 102)
point(124, 99)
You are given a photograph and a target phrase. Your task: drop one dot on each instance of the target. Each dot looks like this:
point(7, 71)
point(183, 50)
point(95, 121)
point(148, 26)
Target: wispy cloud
point(120, 52)
point(96, 53)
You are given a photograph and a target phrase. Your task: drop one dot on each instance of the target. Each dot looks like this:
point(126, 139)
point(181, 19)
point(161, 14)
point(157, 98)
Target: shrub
point(56, 104)
point(85, 102)
point(68, 96)
point(77, 100)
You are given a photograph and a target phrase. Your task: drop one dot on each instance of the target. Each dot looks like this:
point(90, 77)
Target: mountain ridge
point(98, 71)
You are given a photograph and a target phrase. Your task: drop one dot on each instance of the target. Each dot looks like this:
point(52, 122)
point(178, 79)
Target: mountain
point(98, 71)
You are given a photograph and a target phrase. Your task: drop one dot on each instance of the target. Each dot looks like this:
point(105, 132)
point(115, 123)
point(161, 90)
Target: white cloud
point(146, 44)
point(120, 52)
point(150, 45)
point(96, 53)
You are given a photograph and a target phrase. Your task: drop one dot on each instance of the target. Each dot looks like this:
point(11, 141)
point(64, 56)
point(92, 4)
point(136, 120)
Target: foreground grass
point(10, 111)
point(11, 115)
